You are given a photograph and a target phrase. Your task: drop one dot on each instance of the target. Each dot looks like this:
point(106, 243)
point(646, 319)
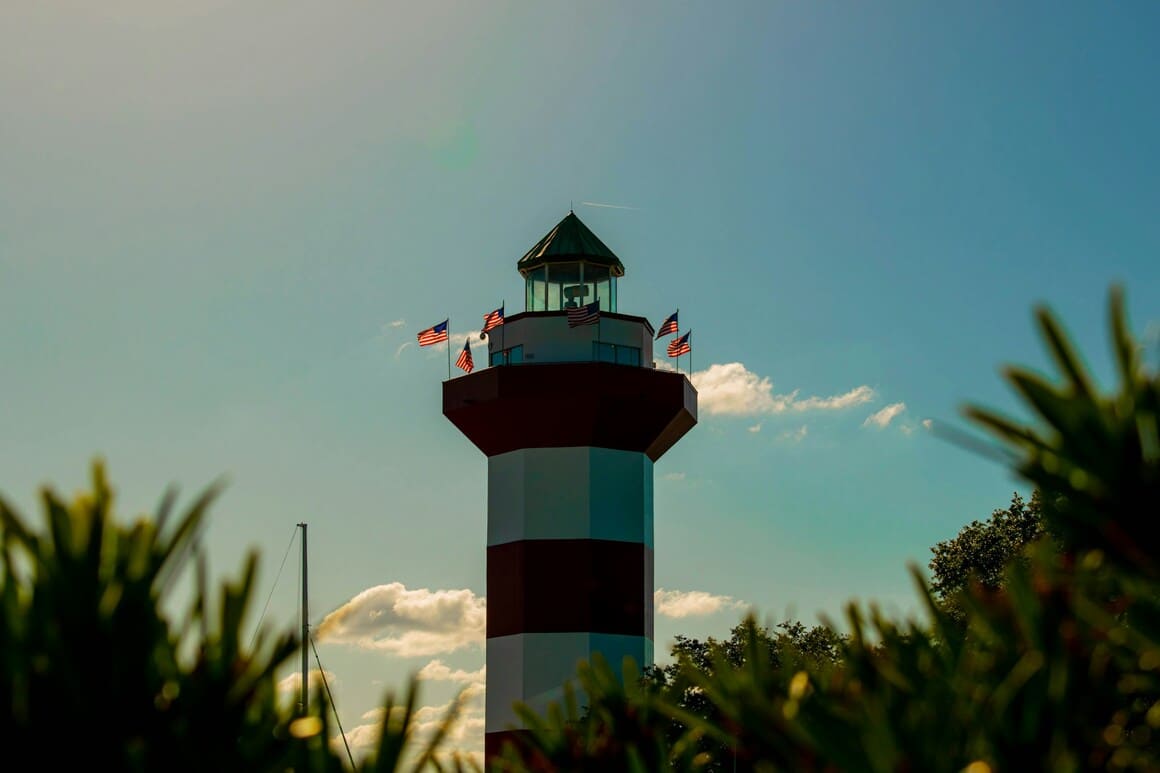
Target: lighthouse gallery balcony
point(553, 385)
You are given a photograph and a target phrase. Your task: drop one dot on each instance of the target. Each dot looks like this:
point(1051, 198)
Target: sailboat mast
point(305, 624)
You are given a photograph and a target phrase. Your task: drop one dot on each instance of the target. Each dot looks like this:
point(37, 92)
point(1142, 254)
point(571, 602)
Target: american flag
point(464, 360)
point(584, 315)
point(433, 334)
point(669, 326)
point(492, 319)
point(679, 346)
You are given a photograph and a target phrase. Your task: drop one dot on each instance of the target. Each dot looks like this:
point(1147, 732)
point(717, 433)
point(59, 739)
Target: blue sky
point(219, 225)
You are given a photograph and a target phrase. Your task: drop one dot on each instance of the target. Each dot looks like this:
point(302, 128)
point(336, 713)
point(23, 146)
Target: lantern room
point(568, 268)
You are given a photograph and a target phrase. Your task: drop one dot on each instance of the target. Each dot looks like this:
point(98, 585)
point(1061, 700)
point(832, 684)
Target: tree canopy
point(982, 550)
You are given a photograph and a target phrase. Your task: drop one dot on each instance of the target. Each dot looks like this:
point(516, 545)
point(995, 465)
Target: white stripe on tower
point(570, 570)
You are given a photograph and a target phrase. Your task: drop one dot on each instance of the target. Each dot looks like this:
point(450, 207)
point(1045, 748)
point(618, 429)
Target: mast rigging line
point(258, 626)
point(330, 697)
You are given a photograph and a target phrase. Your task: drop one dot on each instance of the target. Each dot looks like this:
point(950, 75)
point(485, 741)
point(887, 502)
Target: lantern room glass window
point(599, 280)
point(560, 286)
point(537, 290)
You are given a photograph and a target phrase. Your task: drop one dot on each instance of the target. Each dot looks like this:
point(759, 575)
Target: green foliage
point(620, 729)
point(397, 748)
point(1047, 659)
point(680, 684)
point(89, 657)
point(94, 675)
point(1096, 456)
point(982, 550)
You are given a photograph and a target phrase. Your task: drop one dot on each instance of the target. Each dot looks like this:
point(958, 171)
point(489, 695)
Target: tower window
point(621, 355)
point(511, 356)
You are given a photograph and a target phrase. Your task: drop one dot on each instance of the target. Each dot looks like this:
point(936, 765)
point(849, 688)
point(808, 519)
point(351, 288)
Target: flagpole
point(448, 347)
point(502, 329)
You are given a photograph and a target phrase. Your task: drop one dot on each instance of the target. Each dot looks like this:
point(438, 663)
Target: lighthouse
point(571, 414)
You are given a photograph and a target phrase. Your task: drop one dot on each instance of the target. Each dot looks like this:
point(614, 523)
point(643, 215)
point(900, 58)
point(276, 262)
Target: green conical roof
point(569, 242)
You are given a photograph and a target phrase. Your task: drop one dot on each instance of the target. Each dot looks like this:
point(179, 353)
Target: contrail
point(607, 206)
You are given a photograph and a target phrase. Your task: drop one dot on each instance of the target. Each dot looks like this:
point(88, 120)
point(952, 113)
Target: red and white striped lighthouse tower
point(571, 417)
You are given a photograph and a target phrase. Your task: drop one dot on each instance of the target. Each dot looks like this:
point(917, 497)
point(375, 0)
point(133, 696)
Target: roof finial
point(570, 210)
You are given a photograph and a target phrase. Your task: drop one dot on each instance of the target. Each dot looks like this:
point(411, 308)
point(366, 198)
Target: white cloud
point(292, 684)
point(856, 396)
point(459, 338)
point(731, 389)
point(693, 603)
point(388, 329)
point(470, 696)
point(465, 737)
point(674, 476)
point(928, 423)
point(755, 428)
point(796, 435)
point(409, 623)
point(439, 671)
point(882, 418)
point(402, 346)
point(361, 738)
